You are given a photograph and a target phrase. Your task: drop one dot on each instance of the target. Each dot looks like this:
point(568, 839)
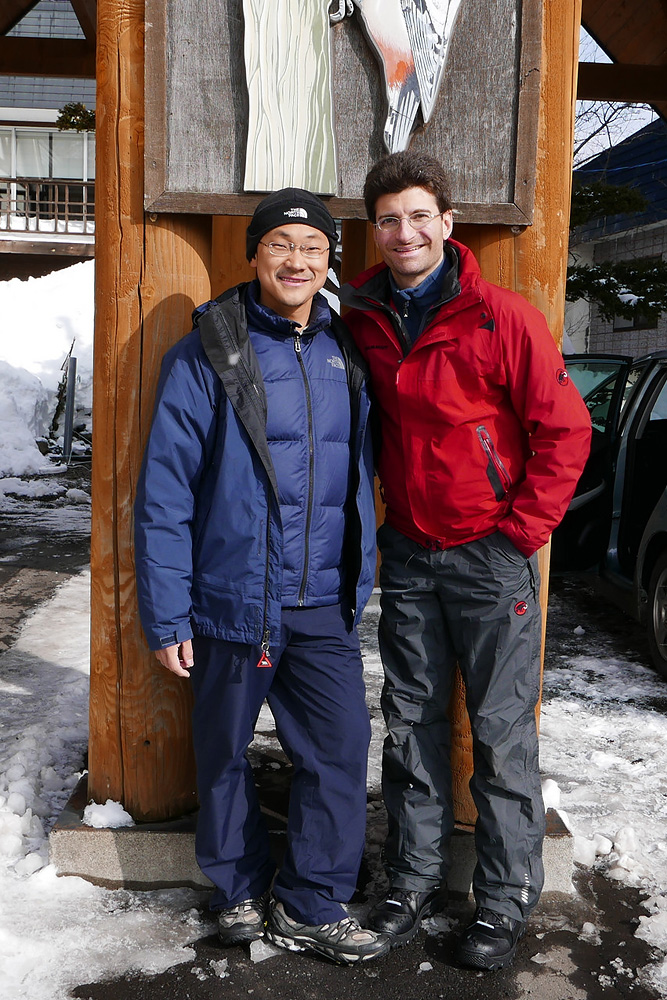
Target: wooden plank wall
point(151, 272)
point(201, 118)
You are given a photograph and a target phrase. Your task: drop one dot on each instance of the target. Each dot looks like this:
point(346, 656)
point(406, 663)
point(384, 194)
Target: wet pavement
point(42, 542)
point(558, 959)
point(555, 961)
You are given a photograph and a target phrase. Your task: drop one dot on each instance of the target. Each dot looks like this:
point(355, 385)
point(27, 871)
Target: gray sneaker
point(344, 942)
point(243, 922)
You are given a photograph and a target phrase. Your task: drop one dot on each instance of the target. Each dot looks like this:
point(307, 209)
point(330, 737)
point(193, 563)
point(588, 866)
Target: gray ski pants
point(476, 604)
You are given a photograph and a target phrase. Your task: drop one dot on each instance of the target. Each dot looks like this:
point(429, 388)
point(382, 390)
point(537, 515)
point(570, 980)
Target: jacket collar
point(242, 301)
point(371, 288)
point(265, 320)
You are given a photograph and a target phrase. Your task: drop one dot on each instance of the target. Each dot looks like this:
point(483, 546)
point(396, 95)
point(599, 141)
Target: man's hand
point(178, 658)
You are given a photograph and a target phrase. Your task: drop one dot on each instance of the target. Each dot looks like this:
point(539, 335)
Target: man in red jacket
point(483, 441)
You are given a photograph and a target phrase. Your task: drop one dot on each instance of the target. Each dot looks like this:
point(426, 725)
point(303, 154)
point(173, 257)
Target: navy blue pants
point(316, 693)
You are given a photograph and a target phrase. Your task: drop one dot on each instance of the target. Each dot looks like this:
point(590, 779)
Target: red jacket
point(481, 427)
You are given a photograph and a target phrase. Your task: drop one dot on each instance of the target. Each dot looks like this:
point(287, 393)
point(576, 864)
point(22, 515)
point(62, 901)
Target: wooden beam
point(13, 11)
point(68, 57)
point(150, 274)
point(629, 31)
point(46, 248)
point(86, 12)
point(618, 82)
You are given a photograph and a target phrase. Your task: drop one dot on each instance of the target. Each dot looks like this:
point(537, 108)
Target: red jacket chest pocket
point(470, 361)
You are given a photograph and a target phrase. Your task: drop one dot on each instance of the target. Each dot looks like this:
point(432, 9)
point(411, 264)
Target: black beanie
point(286, 207)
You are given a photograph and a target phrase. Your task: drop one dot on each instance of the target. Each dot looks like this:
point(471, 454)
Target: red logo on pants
point(520, 608)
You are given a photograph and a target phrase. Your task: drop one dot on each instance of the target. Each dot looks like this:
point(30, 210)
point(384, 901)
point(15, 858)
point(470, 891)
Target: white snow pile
point(109, 816)
point(33, 489)
point(42, 317)
point(24, 415)
point(603, 739)
point(56, 933)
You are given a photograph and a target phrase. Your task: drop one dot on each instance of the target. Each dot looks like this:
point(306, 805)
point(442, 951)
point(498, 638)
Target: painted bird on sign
point(411, 39)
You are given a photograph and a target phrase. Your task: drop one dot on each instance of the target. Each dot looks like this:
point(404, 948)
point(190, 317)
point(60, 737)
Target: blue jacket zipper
point(311, 469)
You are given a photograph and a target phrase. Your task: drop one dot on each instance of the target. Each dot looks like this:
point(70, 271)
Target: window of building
point(46, 180)
point(639, 321)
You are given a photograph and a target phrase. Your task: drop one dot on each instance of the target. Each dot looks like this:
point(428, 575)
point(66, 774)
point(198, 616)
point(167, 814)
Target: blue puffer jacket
point(308, 430)
point(209, 543)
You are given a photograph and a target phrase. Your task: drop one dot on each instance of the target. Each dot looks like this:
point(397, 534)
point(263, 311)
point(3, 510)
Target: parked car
point(615, 529)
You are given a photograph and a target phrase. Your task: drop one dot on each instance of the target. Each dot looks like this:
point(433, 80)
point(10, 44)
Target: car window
point(597, 380)
point(659, 408)
point(589, 375)
point(633, 378)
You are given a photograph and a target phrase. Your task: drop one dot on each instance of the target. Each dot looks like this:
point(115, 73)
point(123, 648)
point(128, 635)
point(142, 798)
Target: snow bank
point(41, 319)
point(24, 415)
point(42, 316)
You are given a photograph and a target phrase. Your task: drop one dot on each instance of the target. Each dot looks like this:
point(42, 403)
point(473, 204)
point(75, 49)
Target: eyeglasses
point(418, 220)
point(285, 249)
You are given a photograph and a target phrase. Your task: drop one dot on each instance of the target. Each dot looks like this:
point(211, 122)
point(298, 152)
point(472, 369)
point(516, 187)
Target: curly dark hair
point(398, 171)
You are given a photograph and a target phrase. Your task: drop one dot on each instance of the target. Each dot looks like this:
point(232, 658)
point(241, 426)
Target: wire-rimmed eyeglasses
point(418, 220)
point(284, 249)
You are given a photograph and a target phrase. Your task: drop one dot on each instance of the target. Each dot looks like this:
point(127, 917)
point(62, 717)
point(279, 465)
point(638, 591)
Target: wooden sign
point(247, 96)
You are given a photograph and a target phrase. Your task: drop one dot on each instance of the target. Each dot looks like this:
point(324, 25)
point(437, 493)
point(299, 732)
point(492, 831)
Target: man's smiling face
point(411, 254)
point(289, 283)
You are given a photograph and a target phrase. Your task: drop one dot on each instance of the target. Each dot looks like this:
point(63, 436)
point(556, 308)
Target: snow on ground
point(604, 743)
point(58, 932)
point(42, 317)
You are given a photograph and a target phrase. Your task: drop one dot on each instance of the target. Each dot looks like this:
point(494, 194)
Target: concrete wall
point(650, 241)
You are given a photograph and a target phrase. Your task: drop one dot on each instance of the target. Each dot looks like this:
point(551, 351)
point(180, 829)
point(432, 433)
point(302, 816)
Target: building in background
point(639, 161)
point(47, 176)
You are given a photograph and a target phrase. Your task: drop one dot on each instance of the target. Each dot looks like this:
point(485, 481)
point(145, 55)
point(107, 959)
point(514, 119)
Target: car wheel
point(657, 615)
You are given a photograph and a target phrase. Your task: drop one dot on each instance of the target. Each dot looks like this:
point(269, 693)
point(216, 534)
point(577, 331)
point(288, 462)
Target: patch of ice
point(262, 949)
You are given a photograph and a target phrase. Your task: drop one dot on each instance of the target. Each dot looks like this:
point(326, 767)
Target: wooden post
point(150, 275)
point(532, 261)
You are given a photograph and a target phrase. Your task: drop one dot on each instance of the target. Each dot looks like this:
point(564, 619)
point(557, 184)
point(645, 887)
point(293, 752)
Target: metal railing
point(32, 204)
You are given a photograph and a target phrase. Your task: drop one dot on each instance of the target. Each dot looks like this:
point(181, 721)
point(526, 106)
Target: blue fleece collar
point(262, 318)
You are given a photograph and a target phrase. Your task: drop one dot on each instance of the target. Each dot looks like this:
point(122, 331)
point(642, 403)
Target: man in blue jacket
point(255, 556)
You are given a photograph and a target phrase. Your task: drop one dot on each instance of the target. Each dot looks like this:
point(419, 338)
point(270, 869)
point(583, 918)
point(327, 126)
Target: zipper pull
point(297, 343)
point(265, 658)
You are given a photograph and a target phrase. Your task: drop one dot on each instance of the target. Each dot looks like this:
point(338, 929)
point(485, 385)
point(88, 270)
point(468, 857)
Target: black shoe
point(490, 941)
point(400, 913)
